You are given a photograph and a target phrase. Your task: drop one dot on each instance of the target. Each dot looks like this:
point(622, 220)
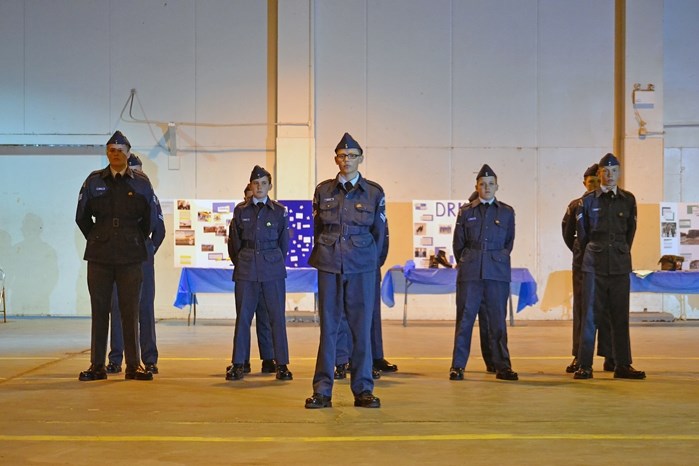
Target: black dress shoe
point(283, 373)
point(583, 373)
point(628, 372)
point(94, 372)
point(152, 368)
point(375, 374)
point(113, 368)
point(235, 372)
point(269, 366)
point(246, 367)
point(341, 371)
point(384, 366)
point(366, 400)
point(319, 401)
point(506, 374)
point(574, 366)
point(489, 368)
point(609, 364)
point(456, 373)
point(137, 373)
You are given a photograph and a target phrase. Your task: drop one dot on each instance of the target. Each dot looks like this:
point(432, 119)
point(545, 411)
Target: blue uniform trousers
point(248, 294)
point(146, 321)
point(351, 295)
point(604, 332)
point(263, 329)
point(605, 297)
point(101, 280)
point(344, 342)
point(472, 295)
point(482, 325)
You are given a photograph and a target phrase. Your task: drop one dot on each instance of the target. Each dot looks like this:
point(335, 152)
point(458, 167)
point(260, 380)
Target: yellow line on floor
point(348, 439)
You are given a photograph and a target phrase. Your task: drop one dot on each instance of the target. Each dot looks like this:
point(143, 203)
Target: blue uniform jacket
point(115, 217)
point(569, 228)
point(157, 235)
point(483, 242)
point(259, 241)
point(349, 228)
point(606, 228)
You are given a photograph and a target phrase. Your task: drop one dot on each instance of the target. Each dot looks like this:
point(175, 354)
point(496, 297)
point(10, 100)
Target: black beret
point(134, 161)
point(591, 170)
point(609, 161)
point(348, 142)
point(118, 138)
point(485, 171)
point(259, 172)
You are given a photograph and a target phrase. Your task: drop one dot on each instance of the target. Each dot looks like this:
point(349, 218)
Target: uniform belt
point(260, 245)
point(347, 229)
point(123, 223)
point(609, 237)
point(485, 246)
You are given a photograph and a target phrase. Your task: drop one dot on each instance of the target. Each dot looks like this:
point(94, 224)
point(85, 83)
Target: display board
point(679, 232)
point(201, 232)
point(433, 229)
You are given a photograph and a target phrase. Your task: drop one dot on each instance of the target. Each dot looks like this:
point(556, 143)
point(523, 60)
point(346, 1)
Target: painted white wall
point(431, 88)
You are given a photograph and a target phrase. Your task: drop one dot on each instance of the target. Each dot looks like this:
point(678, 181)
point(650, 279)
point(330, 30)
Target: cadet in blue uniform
point(257, 245)
point(344, 340)
point(606, 225)
point(483, 240)
point(604, 345)
point(349, 231)
point(114, 214)
point(146, 314)
point(265, 345)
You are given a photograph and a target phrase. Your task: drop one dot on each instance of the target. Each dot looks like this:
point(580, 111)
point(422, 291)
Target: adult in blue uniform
point(257, 245)
point(349, 231)
point(114, 214)
point(344, 340)
point(604, 345)
point(606, 226)
point(483, 238)
point(146, 314)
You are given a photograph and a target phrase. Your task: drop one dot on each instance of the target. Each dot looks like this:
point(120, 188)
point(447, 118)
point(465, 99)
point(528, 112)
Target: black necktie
point(259, 206)
point(348, 186)
point(117, 177)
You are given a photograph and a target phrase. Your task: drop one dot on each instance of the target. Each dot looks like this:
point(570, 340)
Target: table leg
point(405, 303)
point(512, 314)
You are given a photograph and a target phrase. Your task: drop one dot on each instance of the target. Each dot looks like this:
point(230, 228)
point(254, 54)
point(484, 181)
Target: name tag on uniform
point(101, 188)
point(328, 199)
point(471, 219)
point(245, 219)
point(595, 209)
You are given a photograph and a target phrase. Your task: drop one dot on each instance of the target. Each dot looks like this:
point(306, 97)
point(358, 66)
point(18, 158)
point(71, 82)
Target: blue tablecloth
point(198, 280)
point(666, 282)
point(442, 281)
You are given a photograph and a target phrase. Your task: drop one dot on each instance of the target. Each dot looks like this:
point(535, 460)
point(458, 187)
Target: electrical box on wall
point(644, 97)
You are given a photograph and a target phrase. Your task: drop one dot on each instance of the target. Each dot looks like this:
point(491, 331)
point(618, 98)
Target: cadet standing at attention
point(349, 230)
point(114, 214)
point(257, 245)
point(604, 345)
point(146, 314)
point(606, 221)
point(483, 240)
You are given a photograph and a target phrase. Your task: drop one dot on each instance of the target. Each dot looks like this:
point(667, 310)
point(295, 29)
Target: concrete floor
point(190, 415)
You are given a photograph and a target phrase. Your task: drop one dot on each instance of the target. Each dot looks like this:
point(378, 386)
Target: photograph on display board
point(433, 230)
point(209, 229)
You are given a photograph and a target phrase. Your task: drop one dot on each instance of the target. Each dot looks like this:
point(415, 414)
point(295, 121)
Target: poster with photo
point(679, 232)
point(201, 232)
point(433, 229)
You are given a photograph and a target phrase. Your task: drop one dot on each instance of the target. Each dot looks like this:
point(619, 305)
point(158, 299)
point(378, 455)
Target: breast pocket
point(328, 211)
point(365, 213)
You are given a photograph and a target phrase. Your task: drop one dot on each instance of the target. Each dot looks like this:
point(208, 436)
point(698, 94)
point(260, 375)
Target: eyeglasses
point(348, 156)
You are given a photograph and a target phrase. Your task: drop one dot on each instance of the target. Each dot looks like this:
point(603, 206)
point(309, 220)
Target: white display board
point(679, 232)
point(433, 229)
point(201, 232)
